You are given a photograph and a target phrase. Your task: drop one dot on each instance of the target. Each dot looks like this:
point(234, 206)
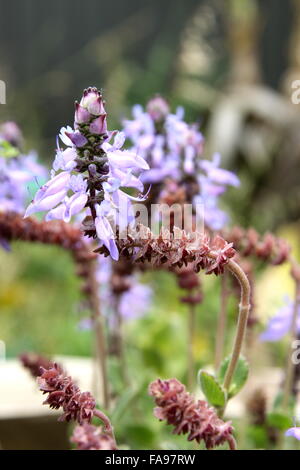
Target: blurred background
point(231, 65)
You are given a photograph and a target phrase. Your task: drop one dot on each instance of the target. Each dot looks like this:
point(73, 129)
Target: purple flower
point(158, 108)
point(133, 302)
point(214, 217)
point(105, 230)
point(50, 194)
point(123, 159)
point(77, 139)
point(294, 432)
point(218, 175)
point(5, 245)
point(104, 270)
point(173, 148)
point(141, 129)
point(85, 324)
point(17, 172)
point(89, 175)
point(280, 324)
point(68, 208)
point(10, 132)
point(136, 301)
point(63, 135)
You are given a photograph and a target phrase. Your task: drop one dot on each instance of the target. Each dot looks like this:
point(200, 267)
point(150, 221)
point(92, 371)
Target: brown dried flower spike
point(189, 416)
point(63, 393)
point(89, 437)
point(35, 363)
point(77, 406)
point(174, 249)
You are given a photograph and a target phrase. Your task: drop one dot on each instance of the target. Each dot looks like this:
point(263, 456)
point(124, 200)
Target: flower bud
point(92, 169)
point(92, 101)
point(82, 116)
point(77, 138)
point(158, 108)
point(11, 132)
point(99, 125)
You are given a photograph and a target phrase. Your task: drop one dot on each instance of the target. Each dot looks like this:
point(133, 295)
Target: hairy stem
point(232, 443)
point(290, 366)
point(107, 424)
point(120, 346)
point(99, 333)
point(244, 308)
point(190, 343)
point(221, 326)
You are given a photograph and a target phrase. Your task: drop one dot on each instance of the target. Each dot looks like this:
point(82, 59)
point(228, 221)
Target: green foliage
point(277, 407)
point(212, 389)
point(142, 435)
point(40, 292)
point(7, 150)
point(258, 437)
point(279, 421)
point(240, 375)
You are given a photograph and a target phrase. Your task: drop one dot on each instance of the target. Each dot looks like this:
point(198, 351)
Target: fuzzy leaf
point(240, 375)
point(212, 390)
point(279, 421)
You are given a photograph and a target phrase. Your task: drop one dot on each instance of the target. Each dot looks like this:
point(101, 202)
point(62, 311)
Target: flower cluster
point(117, 281)
point(14, 227)
point(63, 393)
point(136, 301)
point(17, 170)
point(176, 249)
point(267, 247)
point(89, 437)
point(280, 324)
point(77, 406)
point(189, 416)
point(90, 173)
point(189, 280)
point(35, 363)
point(174, 150)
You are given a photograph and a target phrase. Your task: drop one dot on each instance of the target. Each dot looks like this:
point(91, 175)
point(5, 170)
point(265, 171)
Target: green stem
point(107, 423)
point(99, 333)
point(221, 326)
point(121, 346)
point(290, 366)
point(190, 344)
point(244, 308)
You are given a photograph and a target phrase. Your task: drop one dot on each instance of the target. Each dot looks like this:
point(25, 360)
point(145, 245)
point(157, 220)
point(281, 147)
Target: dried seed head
point(189, 416)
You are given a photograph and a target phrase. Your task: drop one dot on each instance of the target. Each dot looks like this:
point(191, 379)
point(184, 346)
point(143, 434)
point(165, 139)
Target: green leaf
point(7, 150)
point(211, 388)
point(141, 435)
point(124, 403)
point(259, 437)
point(278, 402)
point(240, 375)
point(279, 421)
